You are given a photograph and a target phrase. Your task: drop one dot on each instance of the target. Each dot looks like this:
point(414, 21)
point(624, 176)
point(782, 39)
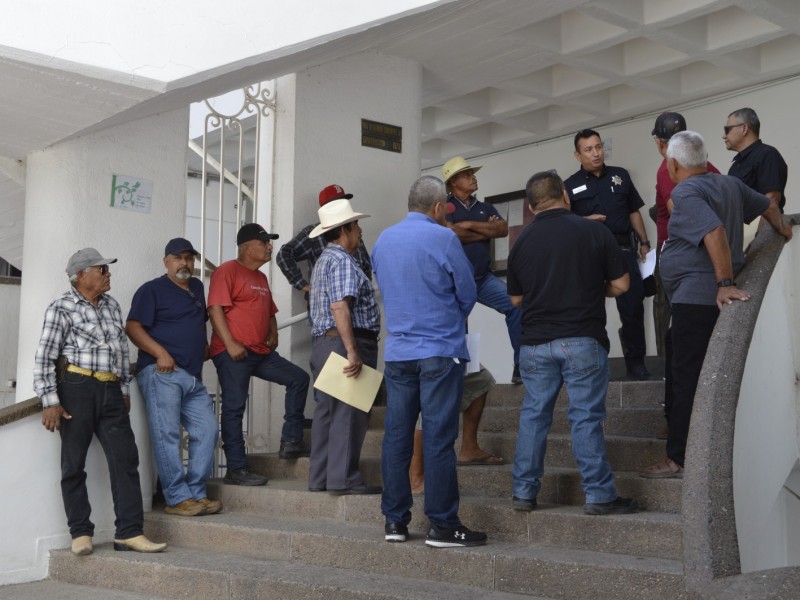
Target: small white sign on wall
point(131, 193)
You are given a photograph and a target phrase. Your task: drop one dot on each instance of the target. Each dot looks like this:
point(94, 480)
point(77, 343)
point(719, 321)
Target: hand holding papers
point(649, 265)
point(358, 392)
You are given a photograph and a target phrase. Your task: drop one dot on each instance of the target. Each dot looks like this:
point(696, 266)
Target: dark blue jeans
point(493, 292)
point(432, 386)
point(234, 379)
point(97, 409)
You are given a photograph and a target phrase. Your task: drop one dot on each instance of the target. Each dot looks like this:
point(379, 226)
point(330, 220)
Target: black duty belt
point(623, 239)
point(364, 334)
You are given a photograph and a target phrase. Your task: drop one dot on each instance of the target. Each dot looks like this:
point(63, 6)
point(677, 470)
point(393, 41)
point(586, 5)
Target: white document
point(474, 349)
point(648, 267)
point(356, 391)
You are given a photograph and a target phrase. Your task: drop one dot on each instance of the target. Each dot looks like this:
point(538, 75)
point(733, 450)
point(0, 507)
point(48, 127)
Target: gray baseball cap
point(85, 258)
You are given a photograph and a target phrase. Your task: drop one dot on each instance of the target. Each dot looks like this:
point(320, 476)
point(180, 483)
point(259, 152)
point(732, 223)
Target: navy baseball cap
point(179, 245)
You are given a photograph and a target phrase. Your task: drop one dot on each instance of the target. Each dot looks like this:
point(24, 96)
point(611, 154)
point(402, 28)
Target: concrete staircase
point(284, 542)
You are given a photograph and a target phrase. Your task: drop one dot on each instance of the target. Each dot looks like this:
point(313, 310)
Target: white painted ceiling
point(497, 73)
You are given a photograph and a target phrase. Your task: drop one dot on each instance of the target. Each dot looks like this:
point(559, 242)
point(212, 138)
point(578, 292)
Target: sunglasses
point(728, 128)
point(102, 268)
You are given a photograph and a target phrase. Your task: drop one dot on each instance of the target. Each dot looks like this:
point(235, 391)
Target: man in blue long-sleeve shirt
point(423, 274)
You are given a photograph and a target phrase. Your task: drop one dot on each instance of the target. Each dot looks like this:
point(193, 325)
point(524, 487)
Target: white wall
point(318, 142)
point(9, 329)
point(631, 147)
point(766, 456)
point(67, 208)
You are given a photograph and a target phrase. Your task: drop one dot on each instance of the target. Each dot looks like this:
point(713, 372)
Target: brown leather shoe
point(82, 545)
point(138, 544)
point(663, 469)
point(212, 507)
point(188, 508)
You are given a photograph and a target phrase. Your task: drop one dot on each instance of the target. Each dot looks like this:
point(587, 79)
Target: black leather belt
point(623, 239)
point(364, 334)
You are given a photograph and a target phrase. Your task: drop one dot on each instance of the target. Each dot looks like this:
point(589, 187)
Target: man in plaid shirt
point(86, 395)
point(302, 247)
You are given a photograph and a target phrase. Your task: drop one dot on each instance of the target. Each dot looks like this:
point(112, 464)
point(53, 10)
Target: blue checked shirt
point(90, 337)
point(301, 247)
point(335, 277)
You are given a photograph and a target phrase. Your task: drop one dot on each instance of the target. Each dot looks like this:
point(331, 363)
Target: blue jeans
point(582, 364)
point(234, 379)
point(493, 292)
point(175, 399)
point(432, 386)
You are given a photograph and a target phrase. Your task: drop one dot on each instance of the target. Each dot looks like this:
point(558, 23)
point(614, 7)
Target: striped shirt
point(90, 337)
point(337, 276)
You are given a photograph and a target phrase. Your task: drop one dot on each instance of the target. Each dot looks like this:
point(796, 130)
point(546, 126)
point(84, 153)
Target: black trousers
point(630, 306)
point(97, 409)
point(692, 326)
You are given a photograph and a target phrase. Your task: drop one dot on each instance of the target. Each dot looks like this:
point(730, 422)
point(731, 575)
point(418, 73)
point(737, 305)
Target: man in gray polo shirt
point(698, 264)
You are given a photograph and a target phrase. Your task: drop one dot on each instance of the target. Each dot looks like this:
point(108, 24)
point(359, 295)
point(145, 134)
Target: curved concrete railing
point(712, 566)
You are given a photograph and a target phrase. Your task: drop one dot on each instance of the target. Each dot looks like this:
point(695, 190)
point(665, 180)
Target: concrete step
point(624, 453)
point(653, 534)
point(620, 394)
point(559, 485)
point(635, 422)
point(201, 574)
point(59, 590)
point(647, 395)
point(529, 568)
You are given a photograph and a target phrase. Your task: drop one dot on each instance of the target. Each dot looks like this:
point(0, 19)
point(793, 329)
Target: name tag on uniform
point(579, 189)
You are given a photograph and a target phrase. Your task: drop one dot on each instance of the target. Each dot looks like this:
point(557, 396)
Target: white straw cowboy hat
point(456, 165)
point(334, 214)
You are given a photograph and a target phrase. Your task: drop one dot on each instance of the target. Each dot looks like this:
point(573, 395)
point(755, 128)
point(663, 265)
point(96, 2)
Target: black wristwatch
point(725, 283)
point(646, 243)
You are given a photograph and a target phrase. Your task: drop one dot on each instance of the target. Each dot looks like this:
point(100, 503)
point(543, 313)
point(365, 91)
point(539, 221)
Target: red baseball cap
point(333, 192)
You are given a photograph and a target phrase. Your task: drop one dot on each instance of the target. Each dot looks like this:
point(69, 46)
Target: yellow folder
point(356, 391)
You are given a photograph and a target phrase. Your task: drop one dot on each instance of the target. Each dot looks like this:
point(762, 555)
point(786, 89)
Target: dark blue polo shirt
point(174, 318)
point(611, 194)
point(761, 168)
point(478, 253)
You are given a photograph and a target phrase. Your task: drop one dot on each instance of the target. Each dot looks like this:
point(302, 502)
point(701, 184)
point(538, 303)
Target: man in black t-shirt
point(560, 271)
point(759, 166)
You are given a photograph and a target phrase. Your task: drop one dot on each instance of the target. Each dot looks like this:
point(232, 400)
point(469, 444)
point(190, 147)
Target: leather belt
point(99, 375)
point(623, 239)
point(364, 334)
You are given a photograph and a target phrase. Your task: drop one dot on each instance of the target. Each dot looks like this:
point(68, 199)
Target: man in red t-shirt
point(667, 125)
point(243, 342)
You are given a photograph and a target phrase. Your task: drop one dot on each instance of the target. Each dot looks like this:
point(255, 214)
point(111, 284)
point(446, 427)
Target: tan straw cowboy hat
point(456, 165)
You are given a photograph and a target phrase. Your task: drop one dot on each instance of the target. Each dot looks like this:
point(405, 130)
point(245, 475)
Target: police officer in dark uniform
point(607, 194)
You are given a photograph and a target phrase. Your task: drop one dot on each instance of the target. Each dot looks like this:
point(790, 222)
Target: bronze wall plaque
point(381, 136)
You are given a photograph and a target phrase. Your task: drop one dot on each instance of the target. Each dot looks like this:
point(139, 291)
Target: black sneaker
point(516, 379)
point(293, 450)
point(454, 537)
point(620, 506)
point(396, 532)
point(523, 504)
point(243, 477)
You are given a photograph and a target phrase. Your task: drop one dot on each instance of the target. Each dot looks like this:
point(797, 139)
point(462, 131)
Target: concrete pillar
point(318, 142)
point(67, 207)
